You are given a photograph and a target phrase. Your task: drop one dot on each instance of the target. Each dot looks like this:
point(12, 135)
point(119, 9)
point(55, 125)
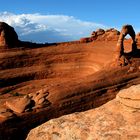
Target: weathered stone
point(112, 30)
point(40, 101)
point(130, 97)
point(6, 115)
point(130, 103)
point(93, 34)
point(18, 105)
point(126, 29)
point(21, 104)
point(131, 69)
point(39, 96)
point(8, 36)
point(3, 109)
point(110, 121)
point(132, 93)
point(85, 40)
point(100, 32)
point(44, 90)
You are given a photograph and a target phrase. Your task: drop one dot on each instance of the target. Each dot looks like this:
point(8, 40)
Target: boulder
point(108, 35)
point(8, 36)
point(111, 34)
point(19, 105)
point(113, 30)
point(110, 121)
point(130, 97)
point(40, 97)
point(28, 102)
point(100, 32)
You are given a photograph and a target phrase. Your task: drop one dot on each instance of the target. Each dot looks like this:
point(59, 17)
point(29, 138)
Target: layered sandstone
point(44, 82)
point(117, 120)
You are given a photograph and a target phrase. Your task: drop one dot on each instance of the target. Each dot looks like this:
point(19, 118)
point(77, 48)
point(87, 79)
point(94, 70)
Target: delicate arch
point(126, 29)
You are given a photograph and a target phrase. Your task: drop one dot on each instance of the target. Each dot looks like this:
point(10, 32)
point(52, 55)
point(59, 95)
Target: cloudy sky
point(65, 20)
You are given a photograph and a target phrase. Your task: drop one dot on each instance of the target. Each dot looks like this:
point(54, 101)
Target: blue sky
point(62, 20)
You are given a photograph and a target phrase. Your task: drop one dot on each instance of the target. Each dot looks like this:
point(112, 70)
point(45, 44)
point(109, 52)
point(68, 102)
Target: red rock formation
point(72, 75)
point(116, 120)
point(126, 29)
point(94, 34)
point(85, 40)
point(99, 32)
point(102, 35)
point(8, 36)
point(138, 38)
point(19, 105)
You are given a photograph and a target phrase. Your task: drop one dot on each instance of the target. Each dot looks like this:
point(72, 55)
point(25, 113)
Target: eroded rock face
point(85, 40)
point(8, 36)
point(25, 103)
point(110, 121)
point(19, 105)
point(111, 34)
point(100, 32)
point(102, 35)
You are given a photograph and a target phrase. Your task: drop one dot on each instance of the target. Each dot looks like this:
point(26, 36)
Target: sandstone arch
point(126, 29)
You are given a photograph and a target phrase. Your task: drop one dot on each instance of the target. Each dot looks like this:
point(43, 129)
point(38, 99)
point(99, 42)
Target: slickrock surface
point(130, 97)
point(112, 121)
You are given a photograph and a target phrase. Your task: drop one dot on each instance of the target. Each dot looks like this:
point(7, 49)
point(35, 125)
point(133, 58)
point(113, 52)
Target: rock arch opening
point(126, 30)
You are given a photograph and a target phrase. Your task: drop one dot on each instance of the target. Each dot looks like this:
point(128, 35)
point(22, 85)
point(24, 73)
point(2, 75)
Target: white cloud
point(48, 28)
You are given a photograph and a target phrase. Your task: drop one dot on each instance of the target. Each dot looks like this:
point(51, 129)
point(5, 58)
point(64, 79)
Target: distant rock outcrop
point(8, 36)
point(85, 40)
point(117, 120)
point(100, 34)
